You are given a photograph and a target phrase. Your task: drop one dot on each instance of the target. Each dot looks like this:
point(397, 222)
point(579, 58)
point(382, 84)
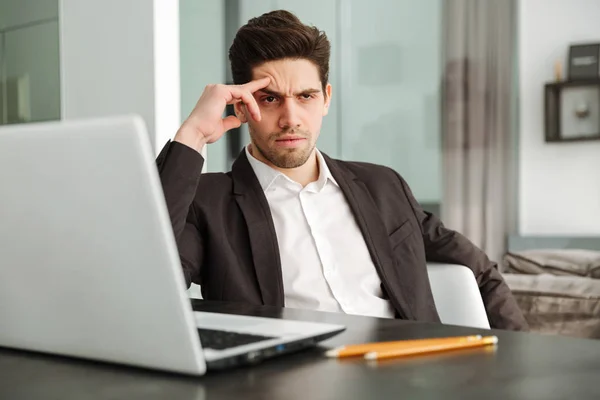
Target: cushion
point(564, 305)
point(566, 262)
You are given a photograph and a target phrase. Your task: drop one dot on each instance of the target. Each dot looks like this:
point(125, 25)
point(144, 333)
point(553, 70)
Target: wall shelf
point(572, 110)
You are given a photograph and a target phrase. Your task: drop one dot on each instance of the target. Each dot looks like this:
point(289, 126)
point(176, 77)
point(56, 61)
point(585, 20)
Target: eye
point(269, 99)
point(306, 96)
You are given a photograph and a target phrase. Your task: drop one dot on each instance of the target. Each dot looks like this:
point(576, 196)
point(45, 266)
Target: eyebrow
point(300, 93)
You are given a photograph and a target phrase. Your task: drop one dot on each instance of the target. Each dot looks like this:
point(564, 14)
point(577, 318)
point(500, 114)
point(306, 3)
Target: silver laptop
point(88, 263)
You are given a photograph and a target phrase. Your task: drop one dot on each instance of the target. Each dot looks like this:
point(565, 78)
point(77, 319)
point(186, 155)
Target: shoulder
point(369, 172)
point(387, 188)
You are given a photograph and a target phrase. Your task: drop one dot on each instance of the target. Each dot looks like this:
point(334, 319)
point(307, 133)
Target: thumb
point(231, 122)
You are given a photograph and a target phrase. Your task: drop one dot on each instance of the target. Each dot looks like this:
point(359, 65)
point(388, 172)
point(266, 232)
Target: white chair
point(455, 292)
point(456, 295)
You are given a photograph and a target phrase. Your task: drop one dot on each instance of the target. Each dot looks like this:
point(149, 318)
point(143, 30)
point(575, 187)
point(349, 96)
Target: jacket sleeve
point(179, 168)
point(448, 246)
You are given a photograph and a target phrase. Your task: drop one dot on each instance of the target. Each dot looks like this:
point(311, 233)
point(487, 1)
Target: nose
point(290, 115)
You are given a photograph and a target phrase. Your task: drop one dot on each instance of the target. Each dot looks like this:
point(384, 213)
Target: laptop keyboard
point(220, 340)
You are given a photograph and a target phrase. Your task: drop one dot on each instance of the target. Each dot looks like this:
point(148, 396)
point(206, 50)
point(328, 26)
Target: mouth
point(290, 141)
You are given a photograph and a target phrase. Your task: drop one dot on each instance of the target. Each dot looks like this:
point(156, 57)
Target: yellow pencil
point(362, 349)
point(400, 351)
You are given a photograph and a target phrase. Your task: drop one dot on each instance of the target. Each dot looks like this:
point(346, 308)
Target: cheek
point(316, 118)
point(269, 121)
point(260, 129)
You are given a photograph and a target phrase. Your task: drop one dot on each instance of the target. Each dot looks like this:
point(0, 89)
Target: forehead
point(289, 74)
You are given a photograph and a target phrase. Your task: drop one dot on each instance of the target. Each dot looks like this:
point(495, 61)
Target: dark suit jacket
point(227, 240)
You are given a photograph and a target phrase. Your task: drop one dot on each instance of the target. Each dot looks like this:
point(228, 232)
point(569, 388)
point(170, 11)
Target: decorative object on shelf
point(584, 61)
point(558, 71)
point(572, 110)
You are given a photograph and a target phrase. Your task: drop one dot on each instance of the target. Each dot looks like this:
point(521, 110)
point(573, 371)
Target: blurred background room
point(489, 109)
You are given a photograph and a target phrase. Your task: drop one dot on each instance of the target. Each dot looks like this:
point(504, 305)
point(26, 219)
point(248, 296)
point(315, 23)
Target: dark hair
point(277, 35)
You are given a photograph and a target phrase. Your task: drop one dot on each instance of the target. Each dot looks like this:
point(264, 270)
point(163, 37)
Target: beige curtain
point(478, 130)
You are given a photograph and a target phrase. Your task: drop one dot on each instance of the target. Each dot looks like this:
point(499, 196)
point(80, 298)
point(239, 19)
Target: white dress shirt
point(325, 262)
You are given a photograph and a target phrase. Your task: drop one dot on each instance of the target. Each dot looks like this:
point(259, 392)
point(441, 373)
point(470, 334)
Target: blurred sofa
point(556, 284)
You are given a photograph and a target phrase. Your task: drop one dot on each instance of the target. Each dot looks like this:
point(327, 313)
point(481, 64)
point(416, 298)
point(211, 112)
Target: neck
point(304, 174)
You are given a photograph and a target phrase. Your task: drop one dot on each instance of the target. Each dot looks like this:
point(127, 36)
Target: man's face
point(292, 108)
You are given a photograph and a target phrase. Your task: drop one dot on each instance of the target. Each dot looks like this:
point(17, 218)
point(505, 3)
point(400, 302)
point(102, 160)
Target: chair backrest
point(457, 296)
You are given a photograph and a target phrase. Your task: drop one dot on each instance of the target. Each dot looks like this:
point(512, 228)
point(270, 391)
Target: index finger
point(257, 84)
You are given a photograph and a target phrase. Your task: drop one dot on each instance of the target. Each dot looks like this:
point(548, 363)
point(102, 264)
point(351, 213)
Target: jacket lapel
point(263, 238)
point(373, 229)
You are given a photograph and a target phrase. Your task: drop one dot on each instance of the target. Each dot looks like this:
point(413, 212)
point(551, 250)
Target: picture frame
point(572, 110)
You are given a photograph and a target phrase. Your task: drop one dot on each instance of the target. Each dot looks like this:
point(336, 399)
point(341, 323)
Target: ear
point(240, 111)
point(327, 99)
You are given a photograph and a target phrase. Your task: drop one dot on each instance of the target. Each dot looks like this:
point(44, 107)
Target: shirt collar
point(267, 175)
point(324, 172)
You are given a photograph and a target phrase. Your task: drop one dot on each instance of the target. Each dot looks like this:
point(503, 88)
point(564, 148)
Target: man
point(289, 226)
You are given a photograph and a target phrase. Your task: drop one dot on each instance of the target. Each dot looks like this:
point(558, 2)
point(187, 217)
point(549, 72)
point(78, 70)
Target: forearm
point(179, 169)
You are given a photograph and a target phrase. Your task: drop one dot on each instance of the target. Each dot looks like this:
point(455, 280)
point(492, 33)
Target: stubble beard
point(285, 158)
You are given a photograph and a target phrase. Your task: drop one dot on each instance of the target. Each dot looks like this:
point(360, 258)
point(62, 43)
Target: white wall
point(559, 183)
point(167, 83)
point(120, 57)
